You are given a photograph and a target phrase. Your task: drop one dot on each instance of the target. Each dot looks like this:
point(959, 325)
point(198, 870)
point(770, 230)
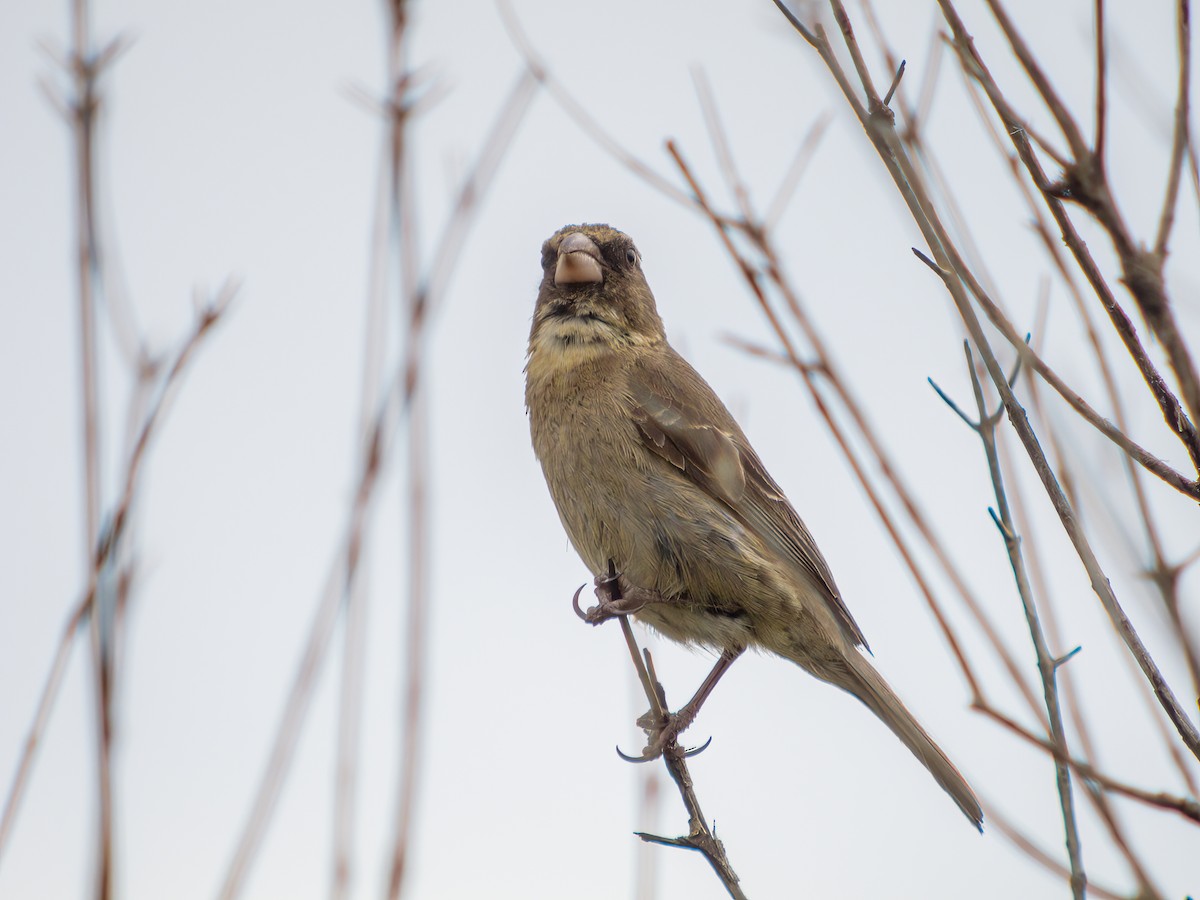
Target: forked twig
point(1048, 665)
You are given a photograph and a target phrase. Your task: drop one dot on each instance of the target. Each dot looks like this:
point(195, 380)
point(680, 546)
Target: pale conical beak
point(578, 261)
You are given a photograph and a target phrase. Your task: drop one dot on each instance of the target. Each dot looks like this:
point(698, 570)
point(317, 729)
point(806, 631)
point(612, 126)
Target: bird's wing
point(699, 437)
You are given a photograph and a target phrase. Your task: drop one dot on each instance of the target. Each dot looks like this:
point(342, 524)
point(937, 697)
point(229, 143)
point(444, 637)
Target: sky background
point(232, 145)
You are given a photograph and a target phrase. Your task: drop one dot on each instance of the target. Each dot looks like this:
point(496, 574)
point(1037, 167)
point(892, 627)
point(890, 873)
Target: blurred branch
point(84, 106)
point(789, 182)
point(421, 296)
point(398, 402)
point(1101, 83)
point(1026, 845)
point(109, 563)
point(1185, 806)
point(165, 381)
point(339, 582)
point(576, 110)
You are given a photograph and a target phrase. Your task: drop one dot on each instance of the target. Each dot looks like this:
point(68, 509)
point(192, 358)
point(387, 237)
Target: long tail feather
point(859, 678)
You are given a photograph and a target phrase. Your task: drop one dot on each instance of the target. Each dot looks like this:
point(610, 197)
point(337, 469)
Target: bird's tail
point(860, 679)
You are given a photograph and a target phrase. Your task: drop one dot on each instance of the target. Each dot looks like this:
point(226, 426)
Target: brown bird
point(652, 475)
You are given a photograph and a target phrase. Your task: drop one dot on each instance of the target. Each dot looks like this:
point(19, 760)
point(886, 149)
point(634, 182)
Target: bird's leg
point(660, 732)
point(617, 596)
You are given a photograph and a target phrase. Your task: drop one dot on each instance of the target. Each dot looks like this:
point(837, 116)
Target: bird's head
point(593, 295)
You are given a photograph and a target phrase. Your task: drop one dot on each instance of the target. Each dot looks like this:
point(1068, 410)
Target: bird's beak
point(578, 261)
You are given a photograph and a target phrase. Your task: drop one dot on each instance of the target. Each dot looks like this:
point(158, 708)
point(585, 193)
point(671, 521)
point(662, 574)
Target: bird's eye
point(631, 256)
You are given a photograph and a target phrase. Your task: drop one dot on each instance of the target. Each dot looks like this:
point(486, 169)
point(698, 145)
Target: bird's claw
point(651, 755)
point(615, 599)
point(661, 737)
point(663, 742)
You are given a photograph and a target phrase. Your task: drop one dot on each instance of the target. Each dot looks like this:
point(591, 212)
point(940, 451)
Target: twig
point(108, 545)
point(1101, 83)
point(700, 836)
point(397, 403)
point(353, 656)
point(787, 184)
point(575, 110)
point(1179, 138)
point(1039, 855)
point(84, 105)
point(423, 294)
point(340, 580)
point(1047, 665)
point(1107, 812)
point(1054, 103)
point(1185, 806)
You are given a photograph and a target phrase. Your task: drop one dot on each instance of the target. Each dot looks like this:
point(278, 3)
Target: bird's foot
point(662, 732)
point(662, 729)
point(616, 596)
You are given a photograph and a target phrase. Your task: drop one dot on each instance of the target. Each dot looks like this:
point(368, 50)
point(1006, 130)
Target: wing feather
point(700, 438)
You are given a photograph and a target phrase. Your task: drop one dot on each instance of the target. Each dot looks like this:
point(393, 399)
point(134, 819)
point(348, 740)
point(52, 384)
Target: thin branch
point(1027, 846)
point(720, 141)
point(1047, 665)
point(338, 583)
point(1179, 138)
point(791, 179)
point(874, 104)
point(422, 295)
point(84, 106)
point(577, 112)
point(1185, 806)
point(41, 718)
point(1101, 83)
point(1016, 414)
point(104, 552)
point(353, 656)
point(700, 836)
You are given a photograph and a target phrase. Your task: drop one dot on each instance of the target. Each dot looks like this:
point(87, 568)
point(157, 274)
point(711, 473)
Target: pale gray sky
point(231, 147)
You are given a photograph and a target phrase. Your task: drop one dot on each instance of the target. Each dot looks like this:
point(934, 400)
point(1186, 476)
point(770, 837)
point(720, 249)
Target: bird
point(666, 502)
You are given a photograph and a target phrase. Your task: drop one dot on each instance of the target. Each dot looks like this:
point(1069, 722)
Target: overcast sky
point(233, 145)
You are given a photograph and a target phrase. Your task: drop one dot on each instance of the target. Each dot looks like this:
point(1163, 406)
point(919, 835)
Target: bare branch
point(1185, 806)
point(1179, 138)
point(105, 553)
point(1047, 664)
point(1101, 83)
